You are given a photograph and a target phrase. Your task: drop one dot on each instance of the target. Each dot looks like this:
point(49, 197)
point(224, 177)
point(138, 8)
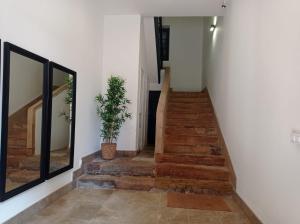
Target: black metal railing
point(159, 47)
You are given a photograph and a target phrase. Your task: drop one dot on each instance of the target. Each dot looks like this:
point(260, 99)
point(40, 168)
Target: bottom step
point(158, 183)
point(119, 182)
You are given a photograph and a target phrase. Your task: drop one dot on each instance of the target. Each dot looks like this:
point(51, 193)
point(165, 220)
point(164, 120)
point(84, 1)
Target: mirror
point(61, 139)
point(23, 120)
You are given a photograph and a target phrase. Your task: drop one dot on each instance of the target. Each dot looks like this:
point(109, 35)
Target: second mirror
point(61, 119)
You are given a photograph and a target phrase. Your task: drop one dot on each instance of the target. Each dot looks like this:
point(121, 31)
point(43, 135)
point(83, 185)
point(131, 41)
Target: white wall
point(149, 44)
point(253, 77)
point(25, 83)
point(68, 32)
point(145, 75)
point(185, 56)
point(60, 128)
point(121, 56)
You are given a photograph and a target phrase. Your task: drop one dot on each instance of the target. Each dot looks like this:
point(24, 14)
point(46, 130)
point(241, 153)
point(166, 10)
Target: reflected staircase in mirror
point(23, 165)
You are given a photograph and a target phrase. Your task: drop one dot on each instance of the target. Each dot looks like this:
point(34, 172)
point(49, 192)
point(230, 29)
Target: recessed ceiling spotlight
point(212, 28)
point(224, 4)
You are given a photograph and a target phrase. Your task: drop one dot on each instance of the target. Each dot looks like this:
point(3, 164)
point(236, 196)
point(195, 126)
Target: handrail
point(161, 113)
point(31, 113)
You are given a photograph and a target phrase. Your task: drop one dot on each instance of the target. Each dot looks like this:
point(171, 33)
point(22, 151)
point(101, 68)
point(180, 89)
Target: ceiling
point(163, 7)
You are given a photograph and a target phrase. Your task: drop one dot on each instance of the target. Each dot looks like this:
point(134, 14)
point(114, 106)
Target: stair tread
point(200, 167)
point(150, 183)
point(194, 154)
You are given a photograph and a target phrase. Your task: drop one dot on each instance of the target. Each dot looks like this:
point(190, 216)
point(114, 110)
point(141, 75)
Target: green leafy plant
point(112, 109)
point(68, 99)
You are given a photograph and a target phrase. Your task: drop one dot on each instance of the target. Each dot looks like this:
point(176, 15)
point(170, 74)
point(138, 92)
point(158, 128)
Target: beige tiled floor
point(128, 207)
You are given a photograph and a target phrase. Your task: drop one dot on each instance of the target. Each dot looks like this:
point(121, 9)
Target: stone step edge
point(155, 183)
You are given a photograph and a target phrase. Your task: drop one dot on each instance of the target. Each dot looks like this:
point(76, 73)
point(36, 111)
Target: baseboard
point(223, 144)
point(245, 208)
point(43, 203)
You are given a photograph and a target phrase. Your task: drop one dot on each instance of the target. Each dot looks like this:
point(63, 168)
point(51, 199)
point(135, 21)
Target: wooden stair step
point(194, 186)
point(119, 182)
point(190, 121)
point(14, 160)
point(17, 134)
point(190, 140)
point(188, 100)
point(197, 159)
point(19, 151)
point(191, 131)
point(195, 115)
point(189, 94)
point(16, 141)
point(191, 124)
point(200, 148)
point(24, 176)
point(121, 168)
point(18, 126)
point(185, 110)
point(191, 106)
point(31, 163)
point(192, 171)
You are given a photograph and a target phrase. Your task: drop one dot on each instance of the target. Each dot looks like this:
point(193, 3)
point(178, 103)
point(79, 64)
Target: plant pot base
point(108, 151)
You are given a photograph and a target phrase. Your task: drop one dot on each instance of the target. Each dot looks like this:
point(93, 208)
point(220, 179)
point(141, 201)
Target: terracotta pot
point(108, 151)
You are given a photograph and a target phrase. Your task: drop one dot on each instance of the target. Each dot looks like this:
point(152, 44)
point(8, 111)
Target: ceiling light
point(212, 28)
point(224, 4)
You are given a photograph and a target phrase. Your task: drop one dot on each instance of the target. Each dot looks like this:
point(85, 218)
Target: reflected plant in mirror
point(67, 114)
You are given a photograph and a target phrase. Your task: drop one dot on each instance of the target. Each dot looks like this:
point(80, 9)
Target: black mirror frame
point(52, 66)
point(8, 47)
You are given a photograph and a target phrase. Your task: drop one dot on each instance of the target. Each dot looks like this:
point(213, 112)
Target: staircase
point(22, 165)
point(193, 159)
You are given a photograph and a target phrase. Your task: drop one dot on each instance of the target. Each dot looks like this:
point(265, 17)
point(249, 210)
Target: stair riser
point(188, 100)
point(194, 186)
point(116, 183)
point(187, 140)
point(95, 169)
point(189, 106)
point(21, 178)
point(17, 134)
point(191, 131)
point(30, 165)
point(170, 170)
point(16, 142)
point(19, 152)
point(195, 116)
point(187, 149)
point(14, 161)
point(191, 123)
point(185, 159)
point(188, 95)
point(184, 110)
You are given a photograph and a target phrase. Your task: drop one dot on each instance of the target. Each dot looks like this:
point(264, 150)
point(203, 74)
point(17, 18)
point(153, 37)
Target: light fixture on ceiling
point(224, 5)
point(212, 28)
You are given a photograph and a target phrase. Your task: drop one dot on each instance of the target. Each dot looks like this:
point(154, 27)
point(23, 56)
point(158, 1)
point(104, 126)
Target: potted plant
point(113, 112)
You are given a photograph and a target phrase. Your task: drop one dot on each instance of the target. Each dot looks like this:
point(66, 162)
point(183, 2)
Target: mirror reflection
point(62, 98)
point(24, 121)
